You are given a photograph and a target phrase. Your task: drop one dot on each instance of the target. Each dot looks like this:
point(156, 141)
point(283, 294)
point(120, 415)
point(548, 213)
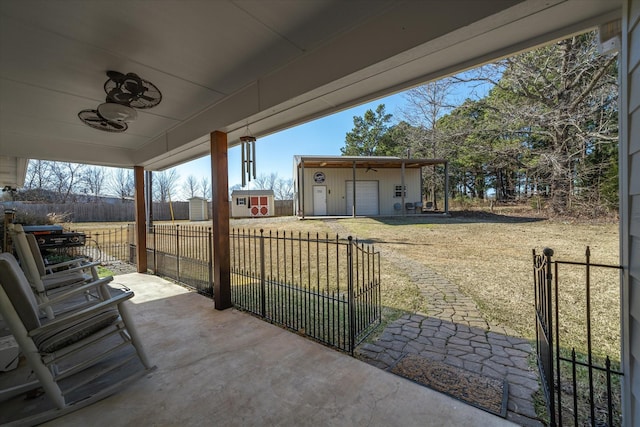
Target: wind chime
point(248, 148)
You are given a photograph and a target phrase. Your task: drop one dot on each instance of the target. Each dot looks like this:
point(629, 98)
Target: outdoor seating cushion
point(50, 341)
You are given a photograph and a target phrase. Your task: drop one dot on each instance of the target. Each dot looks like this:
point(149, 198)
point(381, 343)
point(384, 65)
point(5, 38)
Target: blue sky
point(274, 153)
point(324, 136)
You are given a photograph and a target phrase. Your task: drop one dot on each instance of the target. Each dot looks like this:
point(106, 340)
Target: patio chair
point(44, 279)
point(79, 264)
point(410, 207)
point(74, 357)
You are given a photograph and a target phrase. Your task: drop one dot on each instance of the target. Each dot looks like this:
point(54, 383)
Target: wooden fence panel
point(284, 207)
point(100, 212)
point(118, 211)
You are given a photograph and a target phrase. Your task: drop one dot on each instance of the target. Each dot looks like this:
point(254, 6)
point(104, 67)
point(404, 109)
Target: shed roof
point(252, 193)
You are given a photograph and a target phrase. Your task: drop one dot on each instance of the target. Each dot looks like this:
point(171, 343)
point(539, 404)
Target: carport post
point(446, 188)
point(141, 227)
point(220, 214)
point(301, 185)
point(404, 207)
point(354, 189)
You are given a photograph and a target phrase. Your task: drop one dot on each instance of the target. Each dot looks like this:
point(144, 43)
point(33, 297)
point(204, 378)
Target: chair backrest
point(17, 288)
point(35, 252)
point(27, 260)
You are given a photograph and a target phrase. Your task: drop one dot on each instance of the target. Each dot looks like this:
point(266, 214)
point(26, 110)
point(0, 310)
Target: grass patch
point(104, 272)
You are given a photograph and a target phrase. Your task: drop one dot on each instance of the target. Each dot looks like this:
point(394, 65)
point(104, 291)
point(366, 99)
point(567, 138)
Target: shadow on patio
point(229, 368)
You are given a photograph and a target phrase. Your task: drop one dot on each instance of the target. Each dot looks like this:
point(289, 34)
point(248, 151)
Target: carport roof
point(363, 162)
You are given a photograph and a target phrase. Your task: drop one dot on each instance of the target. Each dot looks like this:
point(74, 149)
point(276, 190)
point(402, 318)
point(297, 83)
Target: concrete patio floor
point(229, 368)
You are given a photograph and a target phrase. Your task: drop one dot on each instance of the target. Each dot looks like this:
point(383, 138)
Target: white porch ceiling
point(225, 64)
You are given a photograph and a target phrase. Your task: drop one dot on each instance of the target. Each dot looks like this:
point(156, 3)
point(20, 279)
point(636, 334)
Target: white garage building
point(359, 185)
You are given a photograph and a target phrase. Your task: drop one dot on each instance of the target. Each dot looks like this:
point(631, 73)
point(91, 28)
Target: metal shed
point(198, 209)
point(360, 185)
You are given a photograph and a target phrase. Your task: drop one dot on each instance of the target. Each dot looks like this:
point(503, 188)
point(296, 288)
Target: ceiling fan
point(125, 93)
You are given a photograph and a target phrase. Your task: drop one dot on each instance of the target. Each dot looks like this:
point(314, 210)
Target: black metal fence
point(581, 385)
point(182, 253)
point(108, 246)
point(321, 287)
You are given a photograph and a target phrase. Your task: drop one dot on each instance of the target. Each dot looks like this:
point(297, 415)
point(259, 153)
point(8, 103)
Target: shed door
point(259, 206)
point(366, 198)
point(319, 200)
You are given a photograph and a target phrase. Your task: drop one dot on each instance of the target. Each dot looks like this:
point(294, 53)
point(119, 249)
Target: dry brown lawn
point(489, 257)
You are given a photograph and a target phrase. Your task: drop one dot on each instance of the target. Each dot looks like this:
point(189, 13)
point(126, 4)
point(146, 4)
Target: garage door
point(366, 198)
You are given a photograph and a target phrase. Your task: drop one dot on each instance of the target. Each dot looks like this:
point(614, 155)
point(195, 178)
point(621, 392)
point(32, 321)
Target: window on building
point(397, 192)
point(241, 201)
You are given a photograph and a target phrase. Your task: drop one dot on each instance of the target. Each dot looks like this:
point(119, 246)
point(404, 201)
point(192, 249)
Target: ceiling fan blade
point(119, 96)
point(116, 76)
point(116, 124)
point(133, 87)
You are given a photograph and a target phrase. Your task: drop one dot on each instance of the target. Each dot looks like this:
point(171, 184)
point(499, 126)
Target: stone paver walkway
point(454, 331)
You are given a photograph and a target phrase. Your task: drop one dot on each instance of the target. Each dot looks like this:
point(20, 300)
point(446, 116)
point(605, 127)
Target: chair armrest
point(77, 316)
point(75, 291)
point(51, 267)
point(71, 270)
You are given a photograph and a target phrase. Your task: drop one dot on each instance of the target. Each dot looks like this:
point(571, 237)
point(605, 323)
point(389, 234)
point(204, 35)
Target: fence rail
point(322, 287)
point(581, 387)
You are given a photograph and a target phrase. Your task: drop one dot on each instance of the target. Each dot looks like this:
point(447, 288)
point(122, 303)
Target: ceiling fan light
point(117, 112)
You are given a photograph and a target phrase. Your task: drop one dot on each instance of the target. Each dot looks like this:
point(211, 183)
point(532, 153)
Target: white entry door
point(366, 198)
point(319, 199)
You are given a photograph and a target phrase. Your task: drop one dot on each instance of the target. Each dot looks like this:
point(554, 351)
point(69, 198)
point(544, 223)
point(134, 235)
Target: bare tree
point(265, 182)
point(190, 187)
point(233, 188)
point(283, 189)
point(121, 183)
point(94, 178)
point(205, 187)
point(425, 105)
point(65, 179)
point(164, 184)
point(38, 180)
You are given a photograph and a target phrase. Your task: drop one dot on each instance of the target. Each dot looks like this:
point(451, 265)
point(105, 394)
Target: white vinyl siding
point(630, 206)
